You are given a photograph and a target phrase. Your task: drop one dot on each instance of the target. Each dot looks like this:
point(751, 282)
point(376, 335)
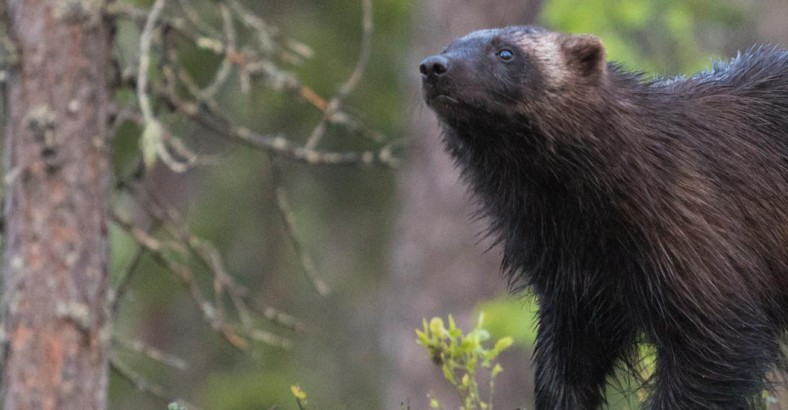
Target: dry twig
point(144, 385)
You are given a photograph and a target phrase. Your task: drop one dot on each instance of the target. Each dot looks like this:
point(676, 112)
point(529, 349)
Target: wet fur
point(632, 209)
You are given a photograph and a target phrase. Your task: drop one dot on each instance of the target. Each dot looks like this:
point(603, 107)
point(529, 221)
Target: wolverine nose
point(433, 66)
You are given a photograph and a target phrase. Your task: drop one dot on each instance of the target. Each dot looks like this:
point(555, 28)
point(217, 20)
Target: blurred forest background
point(394, 245)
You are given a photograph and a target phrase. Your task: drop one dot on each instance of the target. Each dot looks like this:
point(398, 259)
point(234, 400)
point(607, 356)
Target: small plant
point(300, 396)
point(766, 402)
point(461, 357)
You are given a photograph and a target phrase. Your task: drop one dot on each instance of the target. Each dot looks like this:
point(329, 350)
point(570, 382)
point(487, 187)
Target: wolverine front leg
point(576, 349)
point(720, 365)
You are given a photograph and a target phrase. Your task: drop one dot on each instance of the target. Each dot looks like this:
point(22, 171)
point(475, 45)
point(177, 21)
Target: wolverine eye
point(505, 55)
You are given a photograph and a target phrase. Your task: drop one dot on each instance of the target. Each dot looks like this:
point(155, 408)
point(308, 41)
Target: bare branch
point(211, 259)
point(126, 10)
point(125, 278)
point(194, 18)
point(260, 54)
point(142, 384)
point(151, 353)
point(146, 38)
point(277, 144)
point(352, 82)
point(208, 112)
point(363, 58)
point(224, 70)
point(211, 312)
point(288, 220)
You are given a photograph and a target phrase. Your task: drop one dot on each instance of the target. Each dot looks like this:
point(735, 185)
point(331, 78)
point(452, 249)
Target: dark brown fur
point(633, 209)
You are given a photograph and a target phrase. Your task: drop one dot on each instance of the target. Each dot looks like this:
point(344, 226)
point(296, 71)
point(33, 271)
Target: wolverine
point(636, 210)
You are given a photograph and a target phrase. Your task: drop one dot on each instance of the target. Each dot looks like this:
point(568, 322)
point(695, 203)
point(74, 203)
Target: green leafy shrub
point(462, 358)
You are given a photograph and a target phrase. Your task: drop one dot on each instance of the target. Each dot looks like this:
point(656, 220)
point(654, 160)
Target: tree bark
point(439, 266)
point(57, 186)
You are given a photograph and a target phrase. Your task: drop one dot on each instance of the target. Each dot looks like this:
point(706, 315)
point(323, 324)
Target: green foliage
point(661, 37)
point(175, 406)
point(516, 317)
point(766, 402)
point(461, 357)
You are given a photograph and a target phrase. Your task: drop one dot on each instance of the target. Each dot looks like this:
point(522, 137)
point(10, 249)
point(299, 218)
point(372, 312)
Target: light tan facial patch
point(545, 49)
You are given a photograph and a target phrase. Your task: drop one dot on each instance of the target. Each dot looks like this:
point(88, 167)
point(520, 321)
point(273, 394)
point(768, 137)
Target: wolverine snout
point(433, 67)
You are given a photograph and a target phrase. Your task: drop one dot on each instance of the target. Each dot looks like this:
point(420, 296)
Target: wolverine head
point(512, 70)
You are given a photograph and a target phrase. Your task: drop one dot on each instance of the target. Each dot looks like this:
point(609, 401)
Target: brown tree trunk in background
point(438, 266)
point(57, 186)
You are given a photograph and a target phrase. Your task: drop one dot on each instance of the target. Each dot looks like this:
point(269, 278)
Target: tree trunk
point(57, 186)
point(439, 267)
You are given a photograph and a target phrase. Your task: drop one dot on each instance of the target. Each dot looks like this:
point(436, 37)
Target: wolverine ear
point(585, 54)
